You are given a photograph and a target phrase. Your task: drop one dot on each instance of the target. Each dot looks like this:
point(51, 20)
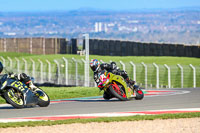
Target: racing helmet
point(113, 65)
point(1, 67)
point(94, 65)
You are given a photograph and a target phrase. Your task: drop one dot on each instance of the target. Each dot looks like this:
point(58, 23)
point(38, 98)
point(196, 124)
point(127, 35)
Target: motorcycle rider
point(112, 67)
point(21, 77)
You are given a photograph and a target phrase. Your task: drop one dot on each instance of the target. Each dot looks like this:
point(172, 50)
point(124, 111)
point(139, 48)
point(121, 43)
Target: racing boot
point(130, 82)
point(31, 86)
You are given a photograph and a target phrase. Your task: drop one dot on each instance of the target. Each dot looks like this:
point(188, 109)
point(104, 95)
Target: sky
point(66, 5)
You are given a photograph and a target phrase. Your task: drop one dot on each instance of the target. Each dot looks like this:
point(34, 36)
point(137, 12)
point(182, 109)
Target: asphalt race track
point(171, 99)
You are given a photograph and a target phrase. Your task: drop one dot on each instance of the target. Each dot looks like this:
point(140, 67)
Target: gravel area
point(189, 125)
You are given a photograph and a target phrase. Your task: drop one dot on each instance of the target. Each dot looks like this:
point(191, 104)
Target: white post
point(18, 65)
point(43, 46)
point(4, 45)
point(10, 60)
point(4, 61)
point(41, 71)
point(58, 68)
point(66, 71)
point(181, 74)
point(33, 67)
point(31, 45)
point(145, 67)
point(157, 75)
point(123, 65)
point(194, 75)
point(49, 70)
point(134, 70)
point(169, 75)
point(85, 84)
point(25, 65)
point(76, 69)
point(87, 59)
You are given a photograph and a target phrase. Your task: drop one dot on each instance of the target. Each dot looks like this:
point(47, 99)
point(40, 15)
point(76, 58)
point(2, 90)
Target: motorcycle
point(19, 95)
point(116, 86)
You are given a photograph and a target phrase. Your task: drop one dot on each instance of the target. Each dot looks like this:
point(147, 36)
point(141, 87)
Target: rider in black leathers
point(21, 77)
point(112, 67)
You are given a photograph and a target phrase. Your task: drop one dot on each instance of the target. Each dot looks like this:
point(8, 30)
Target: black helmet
point(113, 65)
point(1, 67)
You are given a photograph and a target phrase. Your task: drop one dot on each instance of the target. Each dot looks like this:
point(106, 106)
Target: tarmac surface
point(154, 100)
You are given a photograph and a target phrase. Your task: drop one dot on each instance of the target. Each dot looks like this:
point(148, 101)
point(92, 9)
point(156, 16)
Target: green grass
point(105, 119)
point(136, 59)
point(71, 92)
point(68, 92)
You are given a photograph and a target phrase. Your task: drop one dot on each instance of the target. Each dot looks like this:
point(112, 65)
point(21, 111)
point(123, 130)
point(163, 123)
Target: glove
point(100, 86)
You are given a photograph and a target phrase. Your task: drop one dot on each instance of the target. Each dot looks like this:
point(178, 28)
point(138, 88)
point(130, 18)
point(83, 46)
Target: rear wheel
point(118, 92)
point(43, 98)
point(14, 97)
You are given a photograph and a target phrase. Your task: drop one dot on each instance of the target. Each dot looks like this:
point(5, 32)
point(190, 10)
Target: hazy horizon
point(111, 5)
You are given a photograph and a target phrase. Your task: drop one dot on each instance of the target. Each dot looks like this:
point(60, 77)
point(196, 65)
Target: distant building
point(98, 26)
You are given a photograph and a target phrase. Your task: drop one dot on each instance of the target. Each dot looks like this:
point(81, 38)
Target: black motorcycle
point(19, 95)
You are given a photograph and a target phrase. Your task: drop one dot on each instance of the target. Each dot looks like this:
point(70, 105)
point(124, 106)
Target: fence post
point(25, 65)
point(41, 71)
point(157, 75)
point(10, 60)
point(87, 75)
point(49, 70)
point(134, 70)
point(169, 75)
point(85, 84)
point(4, 45)
point(4, 61)
point(33, 67)
point(58, 71)
point(181, 74)
point(66, 71)
point(145, 67)
point(18, 64)
point(43, 46)
point(76, 69)
point(194, 75)
point(31, 45)
point(123, 65)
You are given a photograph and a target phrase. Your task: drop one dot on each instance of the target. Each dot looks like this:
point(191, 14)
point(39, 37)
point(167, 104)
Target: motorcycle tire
point(107, 96)
point(16, 102)
point(139, 94)
point(43, 98)
point(118, 92)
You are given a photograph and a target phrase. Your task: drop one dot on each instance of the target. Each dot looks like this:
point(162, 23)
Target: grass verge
point(68, 92)
point(103, 119)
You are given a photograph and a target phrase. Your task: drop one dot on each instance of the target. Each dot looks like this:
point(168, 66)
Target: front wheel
point(14, 97)
point(43, 98)
point(139, 94)
point(118, 92)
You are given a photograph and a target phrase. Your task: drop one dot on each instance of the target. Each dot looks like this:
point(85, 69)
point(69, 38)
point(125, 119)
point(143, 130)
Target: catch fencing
point(71, 72)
